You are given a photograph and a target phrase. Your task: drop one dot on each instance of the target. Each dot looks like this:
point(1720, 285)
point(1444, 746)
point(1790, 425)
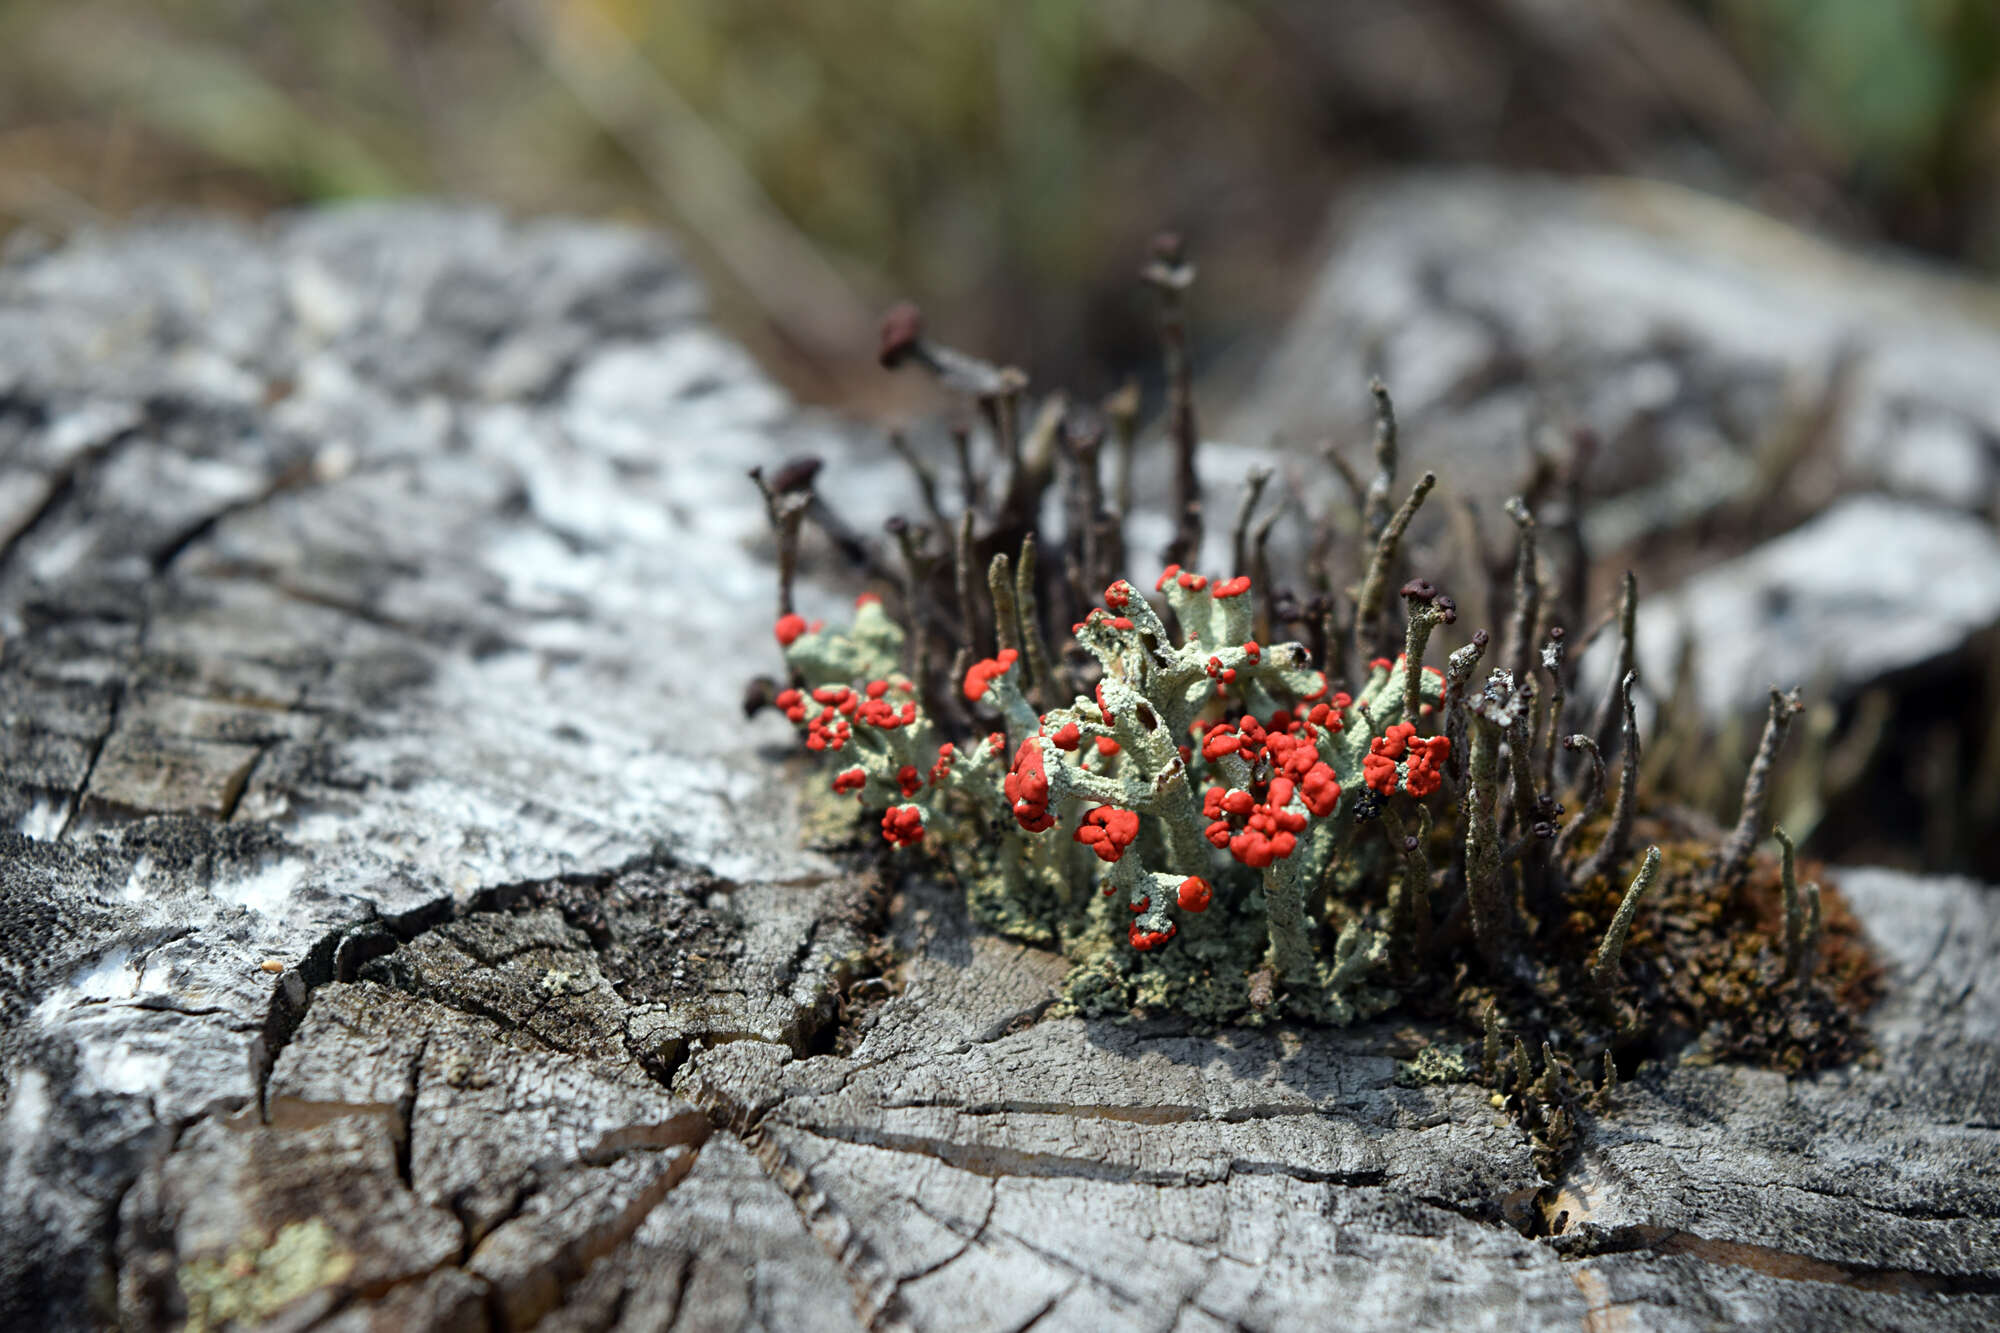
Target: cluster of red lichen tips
point(1268, 777)
point(903, 825)
point(1026, 787)
point(1108, 831)
point(1256, 824)
point(792, 626)
point(984, 672)
point(1400, 756)
point(831, 726)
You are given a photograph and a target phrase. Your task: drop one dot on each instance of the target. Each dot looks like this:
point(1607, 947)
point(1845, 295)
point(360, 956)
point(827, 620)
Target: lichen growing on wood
point(252, 1284)
point(1222, 798)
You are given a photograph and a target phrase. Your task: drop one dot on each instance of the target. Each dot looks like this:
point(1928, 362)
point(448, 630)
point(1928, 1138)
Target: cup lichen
point(1235, 803)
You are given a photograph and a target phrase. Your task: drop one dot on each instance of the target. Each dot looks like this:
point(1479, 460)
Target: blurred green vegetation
point(1005, 161)
point(1902, 96)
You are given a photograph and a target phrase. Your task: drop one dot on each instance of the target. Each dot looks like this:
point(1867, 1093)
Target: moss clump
point(1702, 976)
point(1706, 970)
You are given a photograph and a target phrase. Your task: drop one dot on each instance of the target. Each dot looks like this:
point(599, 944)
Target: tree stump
point(403, 929)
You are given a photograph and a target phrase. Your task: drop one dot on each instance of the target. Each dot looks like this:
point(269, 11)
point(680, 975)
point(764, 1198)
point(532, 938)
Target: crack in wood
point(965, 1245)
point(1000, 1163)
point(1786, 1265)
point(90, 767)
point(233, 798)
point(64, 484)
point(873, 1293)
point(1163, 1114)
point(301, 474)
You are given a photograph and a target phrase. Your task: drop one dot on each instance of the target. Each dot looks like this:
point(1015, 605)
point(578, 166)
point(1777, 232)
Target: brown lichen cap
point(797, 474)
point(902, 330)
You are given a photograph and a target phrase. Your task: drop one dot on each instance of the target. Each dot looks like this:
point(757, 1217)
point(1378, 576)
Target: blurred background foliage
point(1006, 162)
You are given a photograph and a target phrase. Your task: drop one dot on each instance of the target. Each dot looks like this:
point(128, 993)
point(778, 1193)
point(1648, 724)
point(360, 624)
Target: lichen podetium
point(1229, 802)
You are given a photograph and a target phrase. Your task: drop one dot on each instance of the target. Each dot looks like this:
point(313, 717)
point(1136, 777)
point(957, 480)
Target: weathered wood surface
point(402, 929)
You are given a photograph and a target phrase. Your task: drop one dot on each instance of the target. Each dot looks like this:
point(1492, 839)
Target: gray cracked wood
point(341, 595)
point(402, 930)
